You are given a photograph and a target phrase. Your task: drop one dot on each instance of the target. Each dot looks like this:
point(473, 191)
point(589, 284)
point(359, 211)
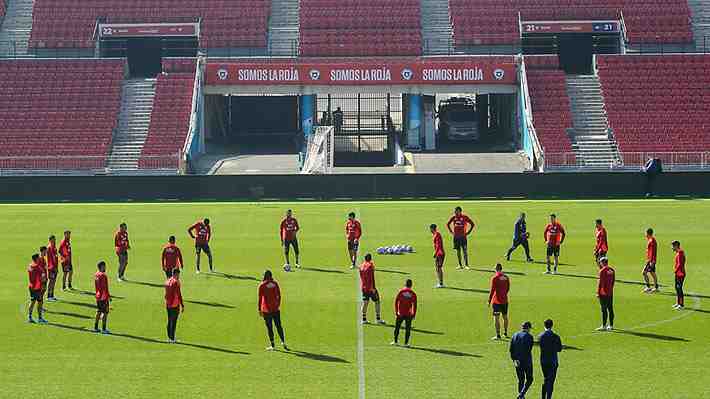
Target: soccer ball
point(410, 249)
point(389, 250)
point(287, 268)
point(381, 250)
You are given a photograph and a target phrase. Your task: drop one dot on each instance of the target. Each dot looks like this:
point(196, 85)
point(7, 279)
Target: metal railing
point(631, 161)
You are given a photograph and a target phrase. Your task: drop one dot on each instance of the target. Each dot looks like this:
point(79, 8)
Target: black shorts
point(67, 267)
point(460, 243)
point(440, 260)
point(606, 301)
point(500, 308)
point(650, 267)
point(353, 245)
point(122, 257)
point(102, 306)
point(553, 250)
point(374, 296)
point(36, 295)
point(203, 248)
point(291, 243)
point(52, 274)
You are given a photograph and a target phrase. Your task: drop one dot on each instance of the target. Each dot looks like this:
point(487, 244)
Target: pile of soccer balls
point(395, 250)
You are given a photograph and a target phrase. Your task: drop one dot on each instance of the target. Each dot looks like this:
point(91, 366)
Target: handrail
point(192, 129)
point(538, 151)
point(624, 33)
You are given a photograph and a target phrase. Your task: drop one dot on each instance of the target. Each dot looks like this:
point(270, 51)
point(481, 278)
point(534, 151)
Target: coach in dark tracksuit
point(521, 353)
point(520, 237)
point(550, 346)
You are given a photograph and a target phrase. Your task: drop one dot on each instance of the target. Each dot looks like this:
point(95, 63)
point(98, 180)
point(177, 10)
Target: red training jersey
point(500, 285)
point(289, 228)
point(120, 240)
point(460, 222)
point(65, 251)
point(651, 249)
point(171, 258)
point(42, 264)
point(438, 244)
point(269, 297)
point(101, 284)
point(607, 277)
point(203, 232)
point(353, 230)
point(602, 244)
point(52, 259)
point(405, 305)
point(367, 277)
point(680, 264)
point(554, 233)
point(173, 296)
point(35, 274)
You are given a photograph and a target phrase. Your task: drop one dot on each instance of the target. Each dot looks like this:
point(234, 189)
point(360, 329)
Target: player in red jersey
point(498, 299)
point(173, 303)
point(554, 237)
point(202, 235)
point(460, 232)
point(43, 265)
point(679, 271)
point(369, 289)
point(650, 267)
point(602, 246)
point(269, 307)
point(439, 255)
point(52, 268)
point(287, 231)
point(37, 277)
point(405, 310)
point(171, 257)
point(353, 232)
point(65, 257)
point(122, 245)
point(103, 298)
point(605, 293)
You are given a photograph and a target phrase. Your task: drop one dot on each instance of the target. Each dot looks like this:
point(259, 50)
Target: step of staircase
point(437, 32)
point(284, 25)
point(700, 16)
point(16, 28)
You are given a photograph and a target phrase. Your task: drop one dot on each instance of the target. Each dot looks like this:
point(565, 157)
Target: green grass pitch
point(660, 353)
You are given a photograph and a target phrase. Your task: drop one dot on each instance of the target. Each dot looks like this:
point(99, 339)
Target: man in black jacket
point(521, 353)
point(520, 237)
point(550, 346)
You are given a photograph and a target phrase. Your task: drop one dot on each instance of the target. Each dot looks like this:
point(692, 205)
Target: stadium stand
point(550, 104)
point(657, 103)
point(360, 27)
point(170, 118)
point(225, 24)
point(492, 22)
point(62, 112)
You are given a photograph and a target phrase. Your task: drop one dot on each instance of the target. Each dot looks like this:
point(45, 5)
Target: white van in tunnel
point(458, 120)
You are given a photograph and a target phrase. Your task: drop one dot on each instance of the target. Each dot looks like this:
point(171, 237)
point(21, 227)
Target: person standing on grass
point(601, 248)
point(439, 255)
point(605, 292)
point(353, 232)
point(463, 226)
point(369, 290)
point(405, 310)
point(550, 346)
point(43, 265)
point(520, 237)
point(52, 267)
point(521, 353)
point(202, 235)
point(554, 237)
point(650, 267)
point(65, 257)
point(287, 231)
point(498, 298)
point(36, 279)
point(679, 271)
point(103, 298)
point(122, 246)
point(269, 307)
point(173, 303)
point(171, 258)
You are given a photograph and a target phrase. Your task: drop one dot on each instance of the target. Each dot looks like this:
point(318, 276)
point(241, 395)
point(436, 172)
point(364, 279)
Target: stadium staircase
point(437, 32)
point(283, 27)
point(700, 10)
point(137, 97)
point(592, 143)
point(16, 28)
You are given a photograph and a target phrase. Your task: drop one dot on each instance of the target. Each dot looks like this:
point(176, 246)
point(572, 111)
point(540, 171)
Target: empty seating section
point(550, 104)
point(225, 23)
point(62, 111)
point(360, 27)
point(657, 103)
point(182, 65)
point(169, 121)
point(492, 22)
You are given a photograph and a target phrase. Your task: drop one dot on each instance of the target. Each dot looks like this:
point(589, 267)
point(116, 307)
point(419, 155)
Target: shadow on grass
point(697, 310)
point(233, 276)
point(542, 262)
point(321, 270)
point(493, 271)
point(154, 285)
point(69, 314)
point(391, 271)
point(414, 329)
point(651, 335)
point(571, 348)
point(444, 352)
point(212, 304)
point(90, 293)
point(150, 340)
point(673, 294)
point(82, 304)
point(597, 277)
point(314, 356)
point(476, 290)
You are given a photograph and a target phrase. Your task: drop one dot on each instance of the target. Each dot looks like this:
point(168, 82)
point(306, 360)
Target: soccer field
point(656, 352)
